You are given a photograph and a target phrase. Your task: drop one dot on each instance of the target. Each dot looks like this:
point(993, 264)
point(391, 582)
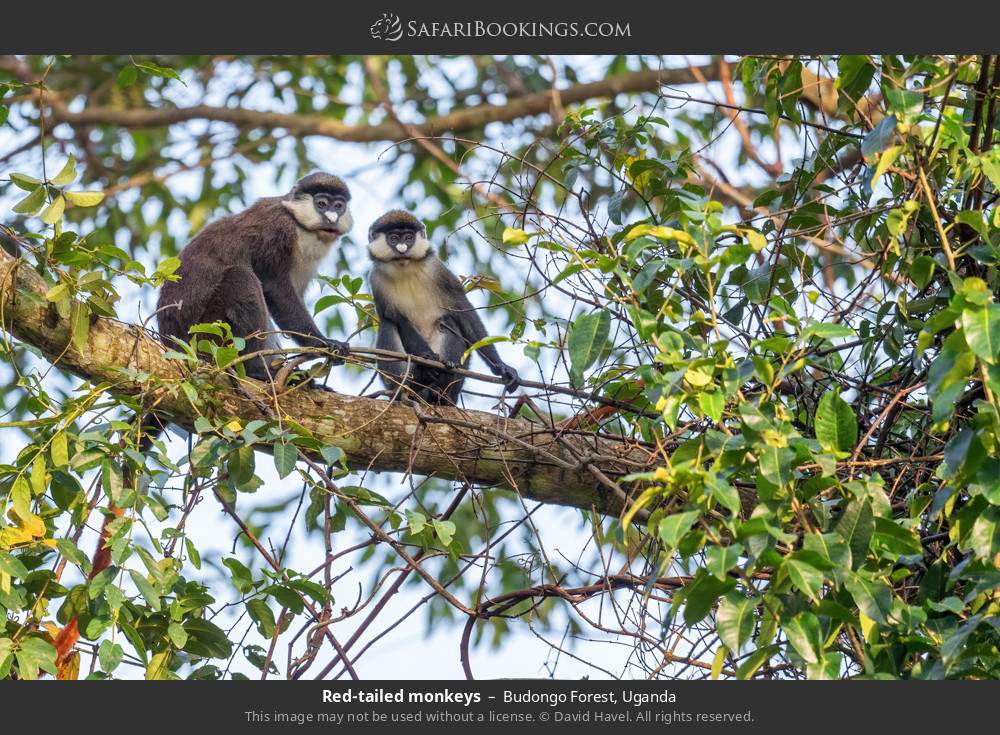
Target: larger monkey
point(246, 269)
point(253, 267)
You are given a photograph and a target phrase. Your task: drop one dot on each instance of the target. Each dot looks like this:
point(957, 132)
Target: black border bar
point(665, 27)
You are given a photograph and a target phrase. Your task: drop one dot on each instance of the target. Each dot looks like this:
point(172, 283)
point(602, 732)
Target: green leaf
point(955, 646)
point(775, 463)
point(242, 577)
point(587, 337)
point(981, 325)
point(263, 616)
point(724, 493)
point(804, 576)
point(80, 323)
point(985, 536)
point(31, 203)
point(674, 526)
point(12, 565)
point(856, 526)
point(417, 522)
point(720, 559)
point(38, 476)
point(285, 456)
point(20, 497)
point(902, 101)
point(490, 340)
point(826, 669)
point(827, 331)
point(831, 547)
point(712, 404)
point(35, 654)
point(896, 540)
point(700, 595)
point(922, 270)
point(193, 554)
point(159, 71)
point(754, 661)
point(67, 174)
point(947, 375)
point(110, 655)
point(444, 530)
point(803, 632)
point(735, 619)
point(873, 598)
point(241, 465)
point(178, 636)
point(148, 592)
point(59, 450)
point(27, 183)
point(836, 426)
point(127, 76)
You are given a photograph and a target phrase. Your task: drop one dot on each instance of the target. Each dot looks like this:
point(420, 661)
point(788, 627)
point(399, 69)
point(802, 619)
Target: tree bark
point(376, 435)
point(465, 119)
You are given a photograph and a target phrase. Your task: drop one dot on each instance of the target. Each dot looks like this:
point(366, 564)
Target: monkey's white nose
point(401, 247)
point(333, 217)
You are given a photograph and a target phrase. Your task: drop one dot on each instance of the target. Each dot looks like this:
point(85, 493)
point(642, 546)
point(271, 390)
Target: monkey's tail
point(65, 641)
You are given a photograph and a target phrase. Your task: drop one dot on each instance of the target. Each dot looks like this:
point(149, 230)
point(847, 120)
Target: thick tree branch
point(470, 118)
point(449, 443)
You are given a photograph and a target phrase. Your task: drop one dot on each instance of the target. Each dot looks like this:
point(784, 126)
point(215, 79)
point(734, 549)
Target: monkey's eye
point(409, 238)
point(321, 202)
point(339, 205)
point(393, 238)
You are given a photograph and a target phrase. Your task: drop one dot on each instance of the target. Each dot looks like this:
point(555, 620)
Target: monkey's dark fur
point(423, 311)
point(252, 267)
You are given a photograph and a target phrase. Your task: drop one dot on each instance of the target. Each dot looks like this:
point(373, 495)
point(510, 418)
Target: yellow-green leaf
point(85, 198)
point(513, 236)
point(67, 174)
point(60, 450)
point(38, 483)
point(81, 325)
point(982, 330)
point(54, 212)
point(31, 203)
point(887, 158)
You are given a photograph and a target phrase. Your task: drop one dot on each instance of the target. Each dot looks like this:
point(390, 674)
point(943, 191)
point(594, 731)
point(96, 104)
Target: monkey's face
point(323, 212)
point(399, 244)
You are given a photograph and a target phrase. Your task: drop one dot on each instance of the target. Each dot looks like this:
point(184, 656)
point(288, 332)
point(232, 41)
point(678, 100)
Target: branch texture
point(377, 435)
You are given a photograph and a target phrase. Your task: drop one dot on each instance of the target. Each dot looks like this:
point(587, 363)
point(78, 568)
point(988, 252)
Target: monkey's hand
point(511, 380)
point(428, 355)
point(339, 349)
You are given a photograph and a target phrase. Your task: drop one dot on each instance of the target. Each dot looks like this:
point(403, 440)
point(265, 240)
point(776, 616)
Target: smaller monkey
point(423, 311)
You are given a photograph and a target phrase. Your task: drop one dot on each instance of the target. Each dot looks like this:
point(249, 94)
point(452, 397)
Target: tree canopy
point(753, 300)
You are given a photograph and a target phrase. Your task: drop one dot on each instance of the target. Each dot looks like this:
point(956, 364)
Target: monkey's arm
point(290, 314)
point(470, 326)
point(413, 341)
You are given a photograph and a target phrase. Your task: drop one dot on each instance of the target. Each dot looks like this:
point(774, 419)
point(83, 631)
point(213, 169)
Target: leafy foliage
point(808, 350)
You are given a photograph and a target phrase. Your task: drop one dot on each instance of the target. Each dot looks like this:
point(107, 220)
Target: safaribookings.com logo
point(387, 28)
point(390, 28)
